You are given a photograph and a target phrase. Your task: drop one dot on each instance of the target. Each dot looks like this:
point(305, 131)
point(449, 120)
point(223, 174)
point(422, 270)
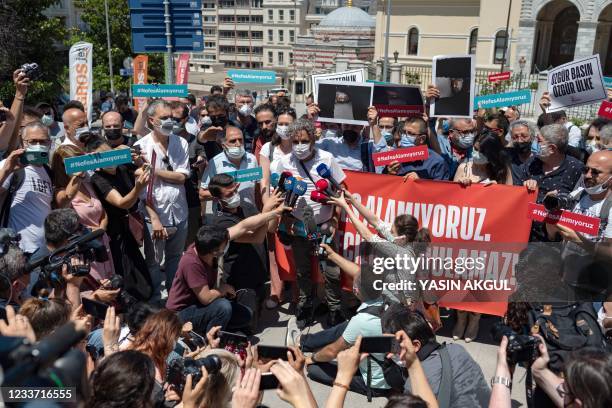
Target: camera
point(179, 369)
point(8, 237)
point(31, 71)
point(124, 299)
point(522, 348)
point(559, 202)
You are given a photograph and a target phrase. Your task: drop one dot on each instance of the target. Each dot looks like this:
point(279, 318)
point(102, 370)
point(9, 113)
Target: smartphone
point(378, 344)
point(231, 338)
point(34, 157)
point(268, 382)
point(94, 308)
point(272, 352)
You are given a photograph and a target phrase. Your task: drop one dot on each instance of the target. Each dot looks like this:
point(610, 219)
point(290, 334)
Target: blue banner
point(608, 82)
point(240, 176)
point(253, 76)
point(97, 160)
point(159, 91)
point(503, 99)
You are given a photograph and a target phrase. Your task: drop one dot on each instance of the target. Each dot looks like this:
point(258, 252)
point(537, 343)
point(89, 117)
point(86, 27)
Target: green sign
point(159, 91)
point(240, 176)
point(94, 161)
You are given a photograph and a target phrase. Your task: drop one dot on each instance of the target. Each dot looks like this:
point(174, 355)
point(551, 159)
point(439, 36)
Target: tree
point(93, 15)
point(26, 35)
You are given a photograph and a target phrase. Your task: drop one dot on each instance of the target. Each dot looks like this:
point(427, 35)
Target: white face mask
point(47, 120)
point(81, 133)
point(165, 126)
point(245, 110)
point(301, 151)
point(466, 141)
point(206, 121)
point(282, 131)
point(331, 133)
point(598, 189)
point(233, 201)
point(479, 158)
point(592, 146)
point(234, 153)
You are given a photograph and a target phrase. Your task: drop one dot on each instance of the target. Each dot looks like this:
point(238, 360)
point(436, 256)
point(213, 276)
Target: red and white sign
point(182, 69)
point(399, 111)
point(577, 222)
point(605, 110)
point(406, 155)
point(502, 76)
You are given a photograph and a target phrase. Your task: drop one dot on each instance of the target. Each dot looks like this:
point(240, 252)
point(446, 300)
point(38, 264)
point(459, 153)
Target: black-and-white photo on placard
point(453, 75)
point(344, 102)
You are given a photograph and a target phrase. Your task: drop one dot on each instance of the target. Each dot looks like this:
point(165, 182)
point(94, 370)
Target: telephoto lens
point(212, 363)
point(558, 202)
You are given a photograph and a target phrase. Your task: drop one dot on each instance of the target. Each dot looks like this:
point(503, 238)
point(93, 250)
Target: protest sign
point(453, 75)
point(406, 155)
point(94, 161)
point(608, 82)
point(577, 222)
point(398, 100)
point(353, 75)
point(605, 110)
point(81, 75)
point(159, 91)
point(502, 76)
point(503, 99)
point(141, 73)
point(344, 102)
point(576, 83)
point(241, 176)
point(252, 76)
point(182, 69)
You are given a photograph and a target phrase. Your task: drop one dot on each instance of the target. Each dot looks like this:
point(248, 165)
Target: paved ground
point(481, 350)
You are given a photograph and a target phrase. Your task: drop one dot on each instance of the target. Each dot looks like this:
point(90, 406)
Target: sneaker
point(303, 318)
point(293, 333)
point(335, 318)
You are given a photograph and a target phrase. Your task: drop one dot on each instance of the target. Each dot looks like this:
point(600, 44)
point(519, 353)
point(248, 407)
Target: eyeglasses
point(166, 161)
point(463, 132)
point(265, 122)
point(386, 127)
point(593, 171)
point(413, 134)
point(166, 117)
point(36, 142)
point(496, 130)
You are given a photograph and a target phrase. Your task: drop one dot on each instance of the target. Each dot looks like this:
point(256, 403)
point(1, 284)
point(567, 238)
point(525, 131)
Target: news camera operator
point(14, 276)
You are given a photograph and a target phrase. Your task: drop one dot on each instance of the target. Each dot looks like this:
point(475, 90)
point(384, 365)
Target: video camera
point(522, 348)
point(179, 369)
point(559, 202)
point(124, 300)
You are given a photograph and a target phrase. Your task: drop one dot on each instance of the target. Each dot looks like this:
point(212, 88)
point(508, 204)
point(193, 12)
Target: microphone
point(298, 190)
point(310, 224)
point(274, 178)
point(322, 186)
point(288, 185)
point(323, 171)
point(326, 237)
point(281, 180)
point(319, 197)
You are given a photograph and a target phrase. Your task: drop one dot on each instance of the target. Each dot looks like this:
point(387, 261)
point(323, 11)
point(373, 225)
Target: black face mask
point(523, 147)
point(350, 135)
point(112, 134)
point(218, 121)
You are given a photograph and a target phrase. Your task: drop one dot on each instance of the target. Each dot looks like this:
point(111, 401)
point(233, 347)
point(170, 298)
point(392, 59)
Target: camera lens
point(551, 203)
point(212, 363)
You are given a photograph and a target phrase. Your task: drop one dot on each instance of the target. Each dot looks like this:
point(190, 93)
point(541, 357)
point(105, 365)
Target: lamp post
point(395, 55)
point(522, 62)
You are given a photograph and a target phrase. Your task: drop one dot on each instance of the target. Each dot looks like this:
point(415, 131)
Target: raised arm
point(254, 222)
point(21, 89)
point(361, 228)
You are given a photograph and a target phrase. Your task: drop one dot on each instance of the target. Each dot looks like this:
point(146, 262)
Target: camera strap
point(444, 392)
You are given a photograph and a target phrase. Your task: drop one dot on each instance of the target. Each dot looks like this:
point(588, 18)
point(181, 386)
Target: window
point(209, 44)
point(270, 35)
point(473, 41)
point(291, 36)
point(281, 35)
point(271, 14)
point(281, 15)
point(291, 15)
point(413, 41)
point(270, 57)
point(281, 58)
point(501, 43)
point(290, 58)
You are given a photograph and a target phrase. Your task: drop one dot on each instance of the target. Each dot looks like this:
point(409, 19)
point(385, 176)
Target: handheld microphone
point(322, 186)
point(288, 185)
point(319, 197)
point(325, 172)
point(281, 181)
point(310, 224)
point(274, 178)
point(298, 190)
point(326, 238)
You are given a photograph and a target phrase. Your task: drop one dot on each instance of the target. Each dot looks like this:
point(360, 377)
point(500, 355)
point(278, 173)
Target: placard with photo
point(344, 102)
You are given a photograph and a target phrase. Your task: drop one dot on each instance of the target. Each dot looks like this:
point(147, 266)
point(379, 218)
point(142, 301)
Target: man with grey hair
point(605, 137)
point(550, 169)
point(26, 189)
point(166, 203)
point(243, 119)
point(522, 136)
point(456, 148)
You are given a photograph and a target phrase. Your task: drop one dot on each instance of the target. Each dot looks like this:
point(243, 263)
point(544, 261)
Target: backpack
point(16, 182)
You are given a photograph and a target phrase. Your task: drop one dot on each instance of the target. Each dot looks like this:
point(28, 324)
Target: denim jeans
point(220, 312)
point(316, 341)
point(325, 373)
point(172, 249)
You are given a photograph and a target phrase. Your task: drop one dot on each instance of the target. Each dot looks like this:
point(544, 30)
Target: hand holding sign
point(576, 83)
point(545, 102)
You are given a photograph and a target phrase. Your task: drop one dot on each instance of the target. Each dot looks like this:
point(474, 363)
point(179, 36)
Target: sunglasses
point(593, 171)
point(166, 161)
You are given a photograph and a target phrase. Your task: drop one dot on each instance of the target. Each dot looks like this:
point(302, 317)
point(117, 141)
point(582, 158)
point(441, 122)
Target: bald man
point(75, 124)
point(112, 128)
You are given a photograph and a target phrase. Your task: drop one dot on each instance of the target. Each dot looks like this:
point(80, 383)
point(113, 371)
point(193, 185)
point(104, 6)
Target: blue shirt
point(221, 164)
point(350, 158)
point(447, 154)
point(434, 168)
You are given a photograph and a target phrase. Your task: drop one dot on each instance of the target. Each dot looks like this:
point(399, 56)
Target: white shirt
point(169, 200)
point(289, 163)
point(587, 206)
point(575, 135)
point(221, 164)
point(191, 126)
point(277, 155)
point(31, 205)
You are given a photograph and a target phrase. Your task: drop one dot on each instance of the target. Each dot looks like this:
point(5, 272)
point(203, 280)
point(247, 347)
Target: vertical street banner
point(182, 69)
point(81, 75)
point(576, 83)
point(141, 74)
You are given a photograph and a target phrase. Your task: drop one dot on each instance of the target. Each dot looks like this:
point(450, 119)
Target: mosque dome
point(348, 17)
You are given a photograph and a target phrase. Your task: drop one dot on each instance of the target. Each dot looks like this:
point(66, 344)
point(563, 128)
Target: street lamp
point(522, 62)
point(395, 55)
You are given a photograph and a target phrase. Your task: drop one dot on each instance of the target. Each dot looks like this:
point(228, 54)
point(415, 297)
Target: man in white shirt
point(75, 125)
point(233, 158)
point(166, 203)
point(30, 202)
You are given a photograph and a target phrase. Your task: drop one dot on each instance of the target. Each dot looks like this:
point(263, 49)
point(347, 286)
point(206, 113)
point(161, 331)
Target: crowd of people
point(165, 265)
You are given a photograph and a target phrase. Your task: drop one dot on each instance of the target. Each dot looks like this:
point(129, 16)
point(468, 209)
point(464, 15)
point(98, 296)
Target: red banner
point(605, 110)
point(399, 111)
point(182, 69)
point(502, 76)
point(141, 65)
point(405, 155)
point(577, 222)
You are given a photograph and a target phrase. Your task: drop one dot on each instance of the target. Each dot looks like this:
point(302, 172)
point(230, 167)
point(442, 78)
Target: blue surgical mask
point(388, 135)
point(407, 140)
point(330, 133)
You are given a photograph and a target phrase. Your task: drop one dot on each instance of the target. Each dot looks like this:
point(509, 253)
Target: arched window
point(413, 41)
point(473, 41)
point(501, 44)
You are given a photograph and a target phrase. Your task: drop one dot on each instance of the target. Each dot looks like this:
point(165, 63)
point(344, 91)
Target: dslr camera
point(522, 348)
point(179, 369)
point(124, 300)
point(561, 201)
point(31, 70)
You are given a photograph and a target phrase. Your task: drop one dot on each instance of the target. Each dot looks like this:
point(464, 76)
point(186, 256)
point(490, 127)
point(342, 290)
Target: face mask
point(234, 153)
point(112, 134)
point(598, 189)
point(165, 126)
point(407, 140)
point(245, 110)
point(178, 128)
point(592, 146)
point(232, 202)
point(82, 134)
point(219, 121)
point(47, 120)
point(466, 141)
point(206, 121)
point(39, 154)
point(479, 158)
point(542, 151)
point(301, 151)
point(350, 135)
point(282, 131)
point(388, 136)
point(522, 147)
point(330, 133)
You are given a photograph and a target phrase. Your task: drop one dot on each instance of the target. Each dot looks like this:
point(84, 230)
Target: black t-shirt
point(192, 183)
point(563, 179)
point(129, 115)
point(104, 183)
point(515, 164)
point(244, 264)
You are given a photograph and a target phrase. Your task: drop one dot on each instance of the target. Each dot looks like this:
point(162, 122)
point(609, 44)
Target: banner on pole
point(141, 76)
point(182, 69)
point(81, 75)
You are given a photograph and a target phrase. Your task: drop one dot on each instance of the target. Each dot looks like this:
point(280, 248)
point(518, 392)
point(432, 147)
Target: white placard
point(353, 75)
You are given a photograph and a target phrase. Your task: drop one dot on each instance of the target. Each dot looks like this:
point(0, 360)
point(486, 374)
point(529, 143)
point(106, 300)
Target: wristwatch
point(501, 380)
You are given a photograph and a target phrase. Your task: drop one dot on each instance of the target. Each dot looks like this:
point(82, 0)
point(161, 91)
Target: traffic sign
point(126, 72)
